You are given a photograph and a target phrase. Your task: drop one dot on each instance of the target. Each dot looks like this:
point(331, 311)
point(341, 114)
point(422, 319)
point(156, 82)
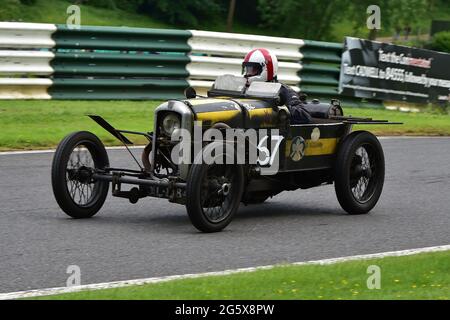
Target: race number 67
point(268, 157)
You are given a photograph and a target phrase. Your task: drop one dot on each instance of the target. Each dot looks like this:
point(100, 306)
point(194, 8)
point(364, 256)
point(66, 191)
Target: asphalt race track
point(155, 238)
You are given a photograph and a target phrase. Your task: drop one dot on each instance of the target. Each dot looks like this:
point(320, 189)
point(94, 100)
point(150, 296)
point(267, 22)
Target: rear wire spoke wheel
point(213, 195)
point(359, 172)
point(76, 159)
point(363, 173)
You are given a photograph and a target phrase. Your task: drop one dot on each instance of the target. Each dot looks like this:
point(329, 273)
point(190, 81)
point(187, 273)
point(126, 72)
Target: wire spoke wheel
point(363, 173)
point(213, 193)
point(217, 192)
point(359, 172)
point(76, 159)
point(80, 167)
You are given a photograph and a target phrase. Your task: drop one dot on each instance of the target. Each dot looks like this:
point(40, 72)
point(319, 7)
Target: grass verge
point(420, 276)
point(414, 124)
point(42, 124)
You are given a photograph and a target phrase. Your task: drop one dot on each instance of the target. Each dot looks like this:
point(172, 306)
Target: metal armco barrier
point(46, 61)
point(122, 39)
point(119, 63)
point(26, 35)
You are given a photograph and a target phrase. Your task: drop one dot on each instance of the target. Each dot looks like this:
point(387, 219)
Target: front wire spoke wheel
point(80, 167)
point(213, 193)
point(215, 200)
point(77, 158)
point(217, 196)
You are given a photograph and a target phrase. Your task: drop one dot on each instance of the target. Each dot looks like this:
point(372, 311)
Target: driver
point(262, 65)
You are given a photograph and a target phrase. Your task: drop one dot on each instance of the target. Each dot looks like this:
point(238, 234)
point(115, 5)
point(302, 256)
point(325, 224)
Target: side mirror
point(190, 93)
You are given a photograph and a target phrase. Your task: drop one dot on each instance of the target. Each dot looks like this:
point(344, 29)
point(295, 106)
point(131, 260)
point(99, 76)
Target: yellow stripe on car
point(316, 148)
point(321, 147)
point(260, 112)
point(198, 102)
point(218, 116)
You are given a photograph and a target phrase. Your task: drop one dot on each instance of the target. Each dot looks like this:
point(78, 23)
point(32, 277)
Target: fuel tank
point(237, 113)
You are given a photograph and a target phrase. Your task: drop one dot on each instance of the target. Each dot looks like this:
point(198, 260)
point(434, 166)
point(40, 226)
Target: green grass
point(419, 123)
point(42, 124)
point(422, 276)
point(54, 11)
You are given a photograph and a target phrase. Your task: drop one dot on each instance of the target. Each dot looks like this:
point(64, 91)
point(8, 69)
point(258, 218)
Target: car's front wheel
point(76, 158)
point(359, 172)
point(213, 194)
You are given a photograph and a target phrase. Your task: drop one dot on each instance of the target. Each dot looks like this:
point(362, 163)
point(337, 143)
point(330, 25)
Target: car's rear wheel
point(76, 158)
point(359, 172)
point(213, 194)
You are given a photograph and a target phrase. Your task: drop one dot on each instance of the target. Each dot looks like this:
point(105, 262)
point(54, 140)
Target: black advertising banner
point(377, 70)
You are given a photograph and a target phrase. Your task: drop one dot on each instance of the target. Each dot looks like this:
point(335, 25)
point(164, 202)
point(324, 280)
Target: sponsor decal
point(315, 139)
point(315, 134)
point(297, 149)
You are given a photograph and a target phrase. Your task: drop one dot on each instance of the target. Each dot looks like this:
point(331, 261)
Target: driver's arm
point(288, 96)
point(292, 101)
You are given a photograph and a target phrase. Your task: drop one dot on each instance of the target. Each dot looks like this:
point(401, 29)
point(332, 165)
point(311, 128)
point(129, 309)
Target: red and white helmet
point(260, 65)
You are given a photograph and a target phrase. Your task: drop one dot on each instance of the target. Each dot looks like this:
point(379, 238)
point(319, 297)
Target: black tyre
point(213, 194)
point(76, 158)
point(359, 172)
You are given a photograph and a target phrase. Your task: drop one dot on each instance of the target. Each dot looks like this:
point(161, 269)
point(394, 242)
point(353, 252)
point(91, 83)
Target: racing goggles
point(250, 69)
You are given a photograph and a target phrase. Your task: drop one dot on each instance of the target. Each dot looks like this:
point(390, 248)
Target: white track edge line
point(125, 283)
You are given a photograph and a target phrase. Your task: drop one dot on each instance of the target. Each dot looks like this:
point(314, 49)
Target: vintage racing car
point(306, 155)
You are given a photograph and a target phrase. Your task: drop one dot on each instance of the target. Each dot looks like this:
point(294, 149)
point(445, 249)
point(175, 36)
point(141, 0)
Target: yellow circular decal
point(315, 134)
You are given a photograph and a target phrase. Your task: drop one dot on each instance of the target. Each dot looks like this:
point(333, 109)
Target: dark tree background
point(292, 18)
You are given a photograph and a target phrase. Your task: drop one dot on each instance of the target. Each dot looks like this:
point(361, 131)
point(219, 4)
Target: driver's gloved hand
point(299, 115)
